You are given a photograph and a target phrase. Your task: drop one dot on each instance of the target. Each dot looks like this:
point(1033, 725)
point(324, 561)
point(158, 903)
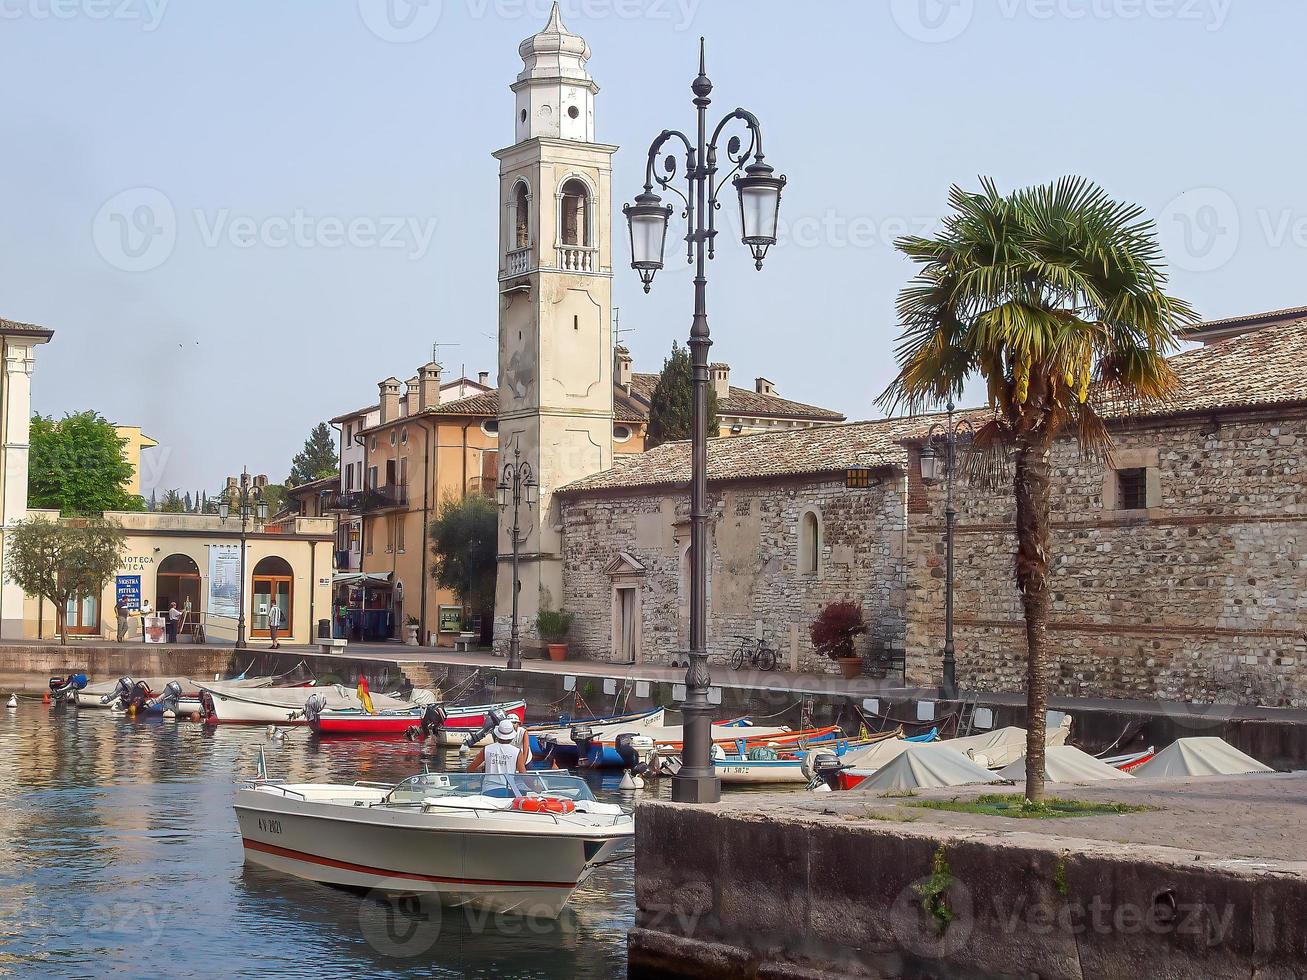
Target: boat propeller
point(121, 690)
point(64, 689)
point(314, 706)
point(822, 769)
point(582, 737)
point(627, 746)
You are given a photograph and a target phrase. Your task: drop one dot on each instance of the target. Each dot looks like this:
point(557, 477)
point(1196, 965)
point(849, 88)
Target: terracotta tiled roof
point(1249, 320)
point(350, 416)
point(743, 402)
point(1253, 370)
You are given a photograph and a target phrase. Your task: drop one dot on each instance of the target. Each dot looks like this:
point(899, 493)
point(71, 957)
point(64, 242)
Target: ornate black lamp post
point(760, 198)
point(949, 436)
point(247, 495)
point(516, 485)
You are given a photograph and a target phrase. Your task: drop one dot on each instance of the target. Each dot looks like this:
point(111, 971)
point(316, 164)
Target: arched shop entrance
point(178, 580)
point(274, 582)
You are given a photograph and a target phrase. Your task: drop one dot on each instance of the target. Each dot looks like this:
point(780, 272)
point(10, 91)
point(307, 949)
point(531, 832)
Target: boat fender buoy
point(45, 698)
point(12, 702)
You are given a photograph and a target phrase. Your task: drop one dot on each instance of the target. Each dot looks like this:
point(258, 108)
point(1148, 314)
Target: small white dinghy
point(518, 843)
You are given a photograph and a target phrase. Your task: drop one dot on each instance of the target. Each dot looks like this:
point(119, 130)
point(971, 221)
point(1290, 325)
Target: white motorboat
point(282, 705)
point(517, 843)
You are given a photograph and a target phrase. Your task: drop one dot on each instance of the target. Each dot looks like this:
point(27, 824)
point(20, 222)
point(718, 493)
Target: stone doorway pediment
point(625, 565)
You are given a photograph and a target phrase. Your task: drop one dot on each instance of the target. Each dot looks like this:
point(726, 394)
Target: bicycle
point(755, 652)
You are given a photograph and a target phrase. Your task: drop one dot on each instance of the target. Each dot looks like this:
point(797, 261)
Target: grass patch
point(1016, 805)
point(890, 816)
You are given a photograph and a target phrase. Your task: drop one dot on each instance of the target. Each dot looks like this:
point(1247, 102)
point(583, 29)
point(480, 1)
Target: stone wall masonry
point(755, 585)
point(1202, 597)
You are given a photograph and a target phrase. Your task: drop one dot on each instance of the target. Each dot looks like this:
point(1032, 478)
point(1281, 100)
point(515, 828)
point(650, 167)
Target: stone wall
point(755, 583)
point(1202, 596)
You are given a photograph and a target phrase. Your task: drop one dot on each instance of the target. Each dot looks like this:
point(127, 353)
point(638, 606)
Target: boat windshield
point(437, 785)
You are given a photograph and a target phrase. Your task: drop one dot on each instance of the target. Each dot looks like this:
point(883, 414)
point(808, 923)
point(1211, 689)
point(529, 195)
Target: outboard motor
point(168, 700)
point(121, 690)
point(822, 769)
point(583, 737)
point(314, 706)
point(493, 717)
point(628, 746)
point(433, 720)
point(138, 698)
point(64, 689)
point(207, 708)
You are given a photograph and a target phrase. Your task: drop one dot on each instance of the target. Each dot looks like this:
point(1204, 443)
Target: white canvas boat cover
point(1066, 764)
point(874, 756)
point(922, 766)
point(1202, 756)
point(1004, 746)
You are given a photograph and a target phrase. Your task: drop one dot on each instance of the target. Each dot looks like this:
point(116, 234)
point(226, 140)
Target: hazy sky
point(177, 178)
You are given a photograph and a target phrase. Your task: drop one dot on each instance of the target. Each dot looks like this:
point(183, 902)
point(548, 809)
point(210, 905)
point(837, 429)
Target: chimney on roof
point(621, 366)
point(721, 380)
point(764, 387)
point(411, 396)
point(428, 386)
point(389, 399)
point(483, 379)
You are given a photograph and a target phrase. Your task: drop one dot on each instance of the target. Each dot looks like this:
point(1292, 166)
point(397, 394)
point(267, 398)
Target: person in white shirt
point(275, 616)
point(501, 756)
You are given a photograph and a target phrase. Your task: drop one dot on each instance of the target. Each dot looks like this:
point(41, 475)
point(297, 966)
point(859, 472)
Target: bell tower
point(555, 306)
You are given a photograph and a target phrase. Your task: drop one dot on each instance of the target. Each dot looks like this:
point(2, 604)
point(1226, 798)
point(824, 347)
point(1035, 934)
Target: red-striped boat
point(462, 720)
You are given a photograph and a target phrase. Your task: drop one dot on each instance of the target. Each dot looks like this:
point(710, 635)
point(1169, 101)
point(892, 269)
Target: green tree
point(465, 545)
point(77, 466)
point(172, 503)
point(317, 460)
point(671, 409)
point(1055, 296)
point(63, 561)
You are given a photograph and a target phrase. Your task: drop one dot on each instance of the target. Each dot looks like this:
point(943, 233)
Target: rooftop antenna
point(435, 351)
point(618, 329)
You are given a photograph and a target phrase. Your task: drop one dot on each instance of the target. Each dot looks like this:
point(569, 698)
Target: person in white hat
point(501, 755)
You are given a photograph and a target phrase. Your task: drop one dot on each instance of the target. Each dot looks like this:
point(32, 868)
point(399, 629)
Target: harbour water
point(119, 853)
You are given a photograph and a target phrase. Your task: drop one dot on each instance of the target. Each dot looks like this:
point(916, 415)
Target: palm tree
point(1055, 295)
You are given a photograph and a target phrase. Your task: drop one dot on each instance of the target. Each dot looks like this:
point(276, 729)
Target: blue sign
point(127, 588)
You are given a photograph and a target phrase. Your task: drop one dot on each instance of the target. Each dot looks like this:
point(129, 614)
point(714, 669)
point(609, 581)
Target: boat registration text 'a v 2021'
point(269, 826)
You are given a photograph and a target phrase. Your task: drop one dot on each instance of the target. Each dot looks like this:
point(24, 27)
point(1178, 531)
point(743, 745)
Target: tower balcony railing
point(391, 495)
point(578, 258)
point(518, 261)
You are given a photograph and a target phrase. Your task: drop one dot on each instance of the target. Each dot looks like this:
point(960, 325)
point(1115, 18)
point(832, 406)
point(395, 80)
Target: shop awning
point(361, 578)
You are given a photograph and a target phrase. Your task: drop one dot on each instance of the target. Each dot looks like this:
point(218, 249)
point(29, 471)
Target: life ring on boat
point(543, 804)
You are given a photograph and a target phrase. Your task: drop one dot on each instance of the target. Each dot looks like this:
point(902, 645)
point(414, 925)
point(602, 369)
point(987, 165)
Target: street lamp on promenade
point(950, 437)
point(759, 191)
point(516, 485)
point(247, 495)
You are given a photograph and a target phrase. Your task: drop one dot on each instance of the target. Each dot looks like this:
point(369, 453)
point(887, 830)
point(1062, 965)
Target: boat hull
point(464, 859)
point(358, 724)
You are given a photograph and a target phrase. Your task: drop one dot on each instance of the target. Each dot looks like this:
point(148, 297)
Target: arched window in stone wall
point(574, 213)
point(810, 542)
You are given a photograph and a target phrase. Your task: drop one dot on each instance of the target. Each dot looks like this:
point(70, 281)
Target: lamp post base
point(696, 789)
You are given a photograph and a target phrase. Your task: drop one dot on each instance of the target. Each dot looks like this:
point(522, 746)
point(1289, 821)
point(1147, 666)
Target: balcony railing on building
point(518, 261)
point(387, 497)
point(577, 258)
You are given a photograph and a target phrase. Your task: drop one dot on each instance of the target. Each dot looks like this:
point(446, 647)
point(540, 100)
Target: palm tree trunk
point(1031, 486)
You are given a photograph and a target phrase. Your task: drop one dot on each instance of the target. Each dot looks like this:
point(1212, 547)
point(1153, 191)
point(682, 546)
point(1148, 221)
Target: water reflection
point(119, 852)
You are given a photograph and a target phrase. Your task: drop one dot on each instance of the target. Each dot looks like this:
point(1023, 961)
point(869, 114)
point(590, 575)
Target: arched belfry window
point(574, 213)
point(521, 216)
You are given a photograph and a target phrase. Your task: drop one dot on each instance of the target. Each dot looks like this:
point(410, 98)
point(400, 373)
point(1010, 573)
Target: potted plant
point(411, 631)
point(833, 633)
point(553, 626)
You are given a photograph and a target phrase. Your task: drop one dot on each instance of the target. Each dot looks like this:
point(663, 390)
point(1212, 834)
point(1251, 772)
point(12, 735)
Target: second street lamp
point(516, 485)
point(759, 193)
point(247, 494)
point(949, 436)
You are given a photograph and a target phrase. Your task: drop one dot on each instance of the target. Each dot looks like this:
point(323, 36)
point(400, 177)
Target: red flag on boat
point(365, 695)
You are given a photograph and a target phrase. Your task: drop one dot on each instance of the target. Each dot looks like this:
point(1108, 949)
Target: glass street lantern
point(929, 463)
point(760, 206)
point(648, 221)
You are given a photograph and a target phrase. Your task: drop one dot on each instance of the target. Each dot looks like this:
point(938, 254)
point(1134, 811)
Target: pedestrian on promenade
point(174, 621)
point(274, 623)
point(123, 612)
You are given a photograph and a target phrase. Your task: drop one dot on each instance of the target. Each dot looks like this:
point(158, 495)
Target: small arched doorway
point(274, 582)
point(178, 580)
